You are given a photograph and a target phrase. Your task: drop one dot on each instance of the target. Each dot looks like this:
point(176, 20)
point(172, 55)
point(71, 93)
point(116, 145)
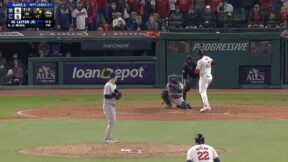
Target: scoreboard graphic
point(30, 15)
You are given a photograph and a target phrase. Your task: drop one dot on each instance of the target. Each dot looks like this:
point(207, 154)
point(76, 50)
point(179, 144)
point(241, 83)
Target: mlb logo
point(17, 10)
point(10, 10)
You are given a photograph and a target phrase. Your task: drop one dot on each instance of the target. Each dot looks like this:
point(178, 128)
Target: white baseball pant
point(204, 82)
point(110, 112)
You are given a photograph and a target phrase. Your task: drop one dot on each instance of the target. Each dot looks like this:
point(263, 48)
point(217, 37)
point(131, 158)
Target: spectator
point(112, 10)
point(172, 4)
point(213, 5)
point(246, 7)
point(153, 5)
point(9, 78)
point(208, 19)
point(265, 7)
point(118, 22)
point(3, 67)
point(80, 15)
point(131, 20)
point(92, 14)
point(284, 17)
point(159, 20)
point(134, 5)
point(162, 8)
point(255, 17)
point(199, 6)
point(102, 14)
point(175, 19)
point(3, 16)
point(184, 5)
point(145, 9)
point(63, 16)
point(126, 9)
point(106, 27)
point(18, 73)
point(274, 19)
point(285, 3)
point(190, 19)
point(236, 9)
point(138, 24)
point(277, 6)
point(152, 24)
point(12, 62)
point(225, 11)
point(100, 29)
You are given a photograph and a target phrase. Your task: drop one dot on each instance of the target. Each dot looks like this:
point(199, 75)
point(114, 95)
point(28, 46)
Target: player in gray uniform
point(174, 94)
point(109, 107)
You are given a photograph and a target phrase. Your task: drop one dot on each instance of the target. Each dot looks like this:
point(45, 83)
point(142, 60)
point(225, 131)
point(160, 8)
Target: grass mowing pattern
point(12, 104)
point(245, 141)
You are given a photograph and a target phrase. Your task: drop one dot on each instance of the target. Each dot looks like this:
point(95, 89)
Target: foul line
point(22, 113)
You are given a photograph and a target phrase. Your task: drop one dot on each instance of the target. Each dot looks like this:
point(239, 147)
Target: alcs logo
point(255, 75)
point(45, 73)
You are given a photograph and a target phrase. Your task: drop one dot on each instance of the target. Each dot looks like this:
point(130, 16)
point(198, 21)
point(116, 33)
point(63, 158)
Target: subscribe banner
point(92, 73)
point(255, 75)
point(116, 45)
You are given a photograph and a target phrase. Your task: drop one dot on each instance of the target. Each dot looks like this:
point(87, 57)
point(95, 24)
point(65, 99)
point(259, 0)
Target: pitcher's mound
point(118, 150)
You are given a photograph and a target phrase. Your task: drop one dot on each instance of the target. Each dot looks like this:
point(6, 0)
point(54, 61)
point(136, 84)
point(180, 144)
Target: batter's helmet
point(199, 138)
point(200, 52)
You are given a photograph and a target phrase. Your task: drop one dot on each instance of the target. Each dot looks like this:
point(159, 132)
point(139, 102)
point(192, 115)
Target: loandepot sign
point(222, 46)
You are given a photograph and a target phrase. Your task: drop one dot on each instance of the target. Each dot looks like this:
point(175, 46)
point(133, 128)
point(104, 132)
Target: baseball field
point(69, 125)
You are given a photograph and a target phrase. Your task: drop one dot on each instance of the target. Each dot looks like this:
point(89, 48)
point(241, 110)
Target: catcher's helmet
point(172, 78)
point(199, 138)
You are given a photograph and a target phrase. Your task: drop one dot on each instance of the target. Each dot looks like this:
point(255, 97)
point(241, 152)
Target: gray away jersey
point(108, 89)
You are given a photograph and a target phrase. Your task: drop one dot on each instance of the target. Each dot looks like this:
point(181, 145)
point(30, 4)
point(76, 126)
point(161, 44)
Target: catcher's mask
point(199, 138)
point(173, 78)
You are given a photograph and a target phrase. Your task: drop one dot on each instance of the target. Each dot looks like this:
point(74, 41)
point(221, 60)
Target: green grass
point(245, 141)
point(12, 104)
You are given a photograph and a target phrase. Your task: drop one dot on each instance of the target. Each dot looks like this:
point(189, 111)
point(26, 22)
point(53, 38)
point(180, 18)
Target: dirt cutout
point(156, 112)
point(117, 150)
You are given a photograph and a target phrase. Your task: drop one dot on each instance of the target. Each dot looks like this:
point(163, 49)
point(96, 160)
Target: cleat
point(166, 106)
point(205, 109)
point(110, 141)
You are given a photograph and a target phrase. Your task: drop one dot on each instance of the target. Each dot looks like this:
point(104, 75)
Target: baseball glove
point(118, 95)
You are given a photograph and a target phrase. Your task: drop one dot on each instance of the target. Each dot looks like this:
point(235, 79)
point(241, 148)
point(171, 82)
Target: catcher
point(174, 94)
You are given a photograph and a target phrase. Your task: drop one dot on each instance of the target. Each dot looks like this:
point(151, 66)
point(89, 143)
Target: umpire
point(188, 75)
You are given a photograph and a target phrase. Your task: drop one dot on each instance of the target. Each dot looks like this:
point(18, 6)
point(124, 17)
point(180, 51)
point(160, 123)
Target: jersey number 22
point(203, 155)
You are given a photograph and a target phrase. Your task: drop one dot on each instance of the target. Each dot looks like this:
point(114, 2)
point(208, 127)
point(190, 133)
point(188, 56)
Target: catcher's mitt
point(118, 95)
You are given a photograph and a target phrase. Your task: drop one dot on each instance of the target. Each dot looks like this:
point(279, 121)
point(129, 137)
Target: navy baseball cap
point(112, 75)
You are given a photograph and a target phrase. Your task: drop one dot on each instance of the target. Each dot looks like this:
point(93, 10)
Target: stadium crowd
point(157, 15)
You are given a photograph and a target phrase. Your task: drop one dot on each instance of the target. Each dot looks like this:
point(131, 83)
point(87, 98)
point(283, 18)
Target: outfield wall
point(243, 60)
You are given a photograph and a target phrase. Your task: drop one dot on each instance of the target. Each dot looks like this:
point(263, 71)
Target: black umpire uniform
point(188, 75)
